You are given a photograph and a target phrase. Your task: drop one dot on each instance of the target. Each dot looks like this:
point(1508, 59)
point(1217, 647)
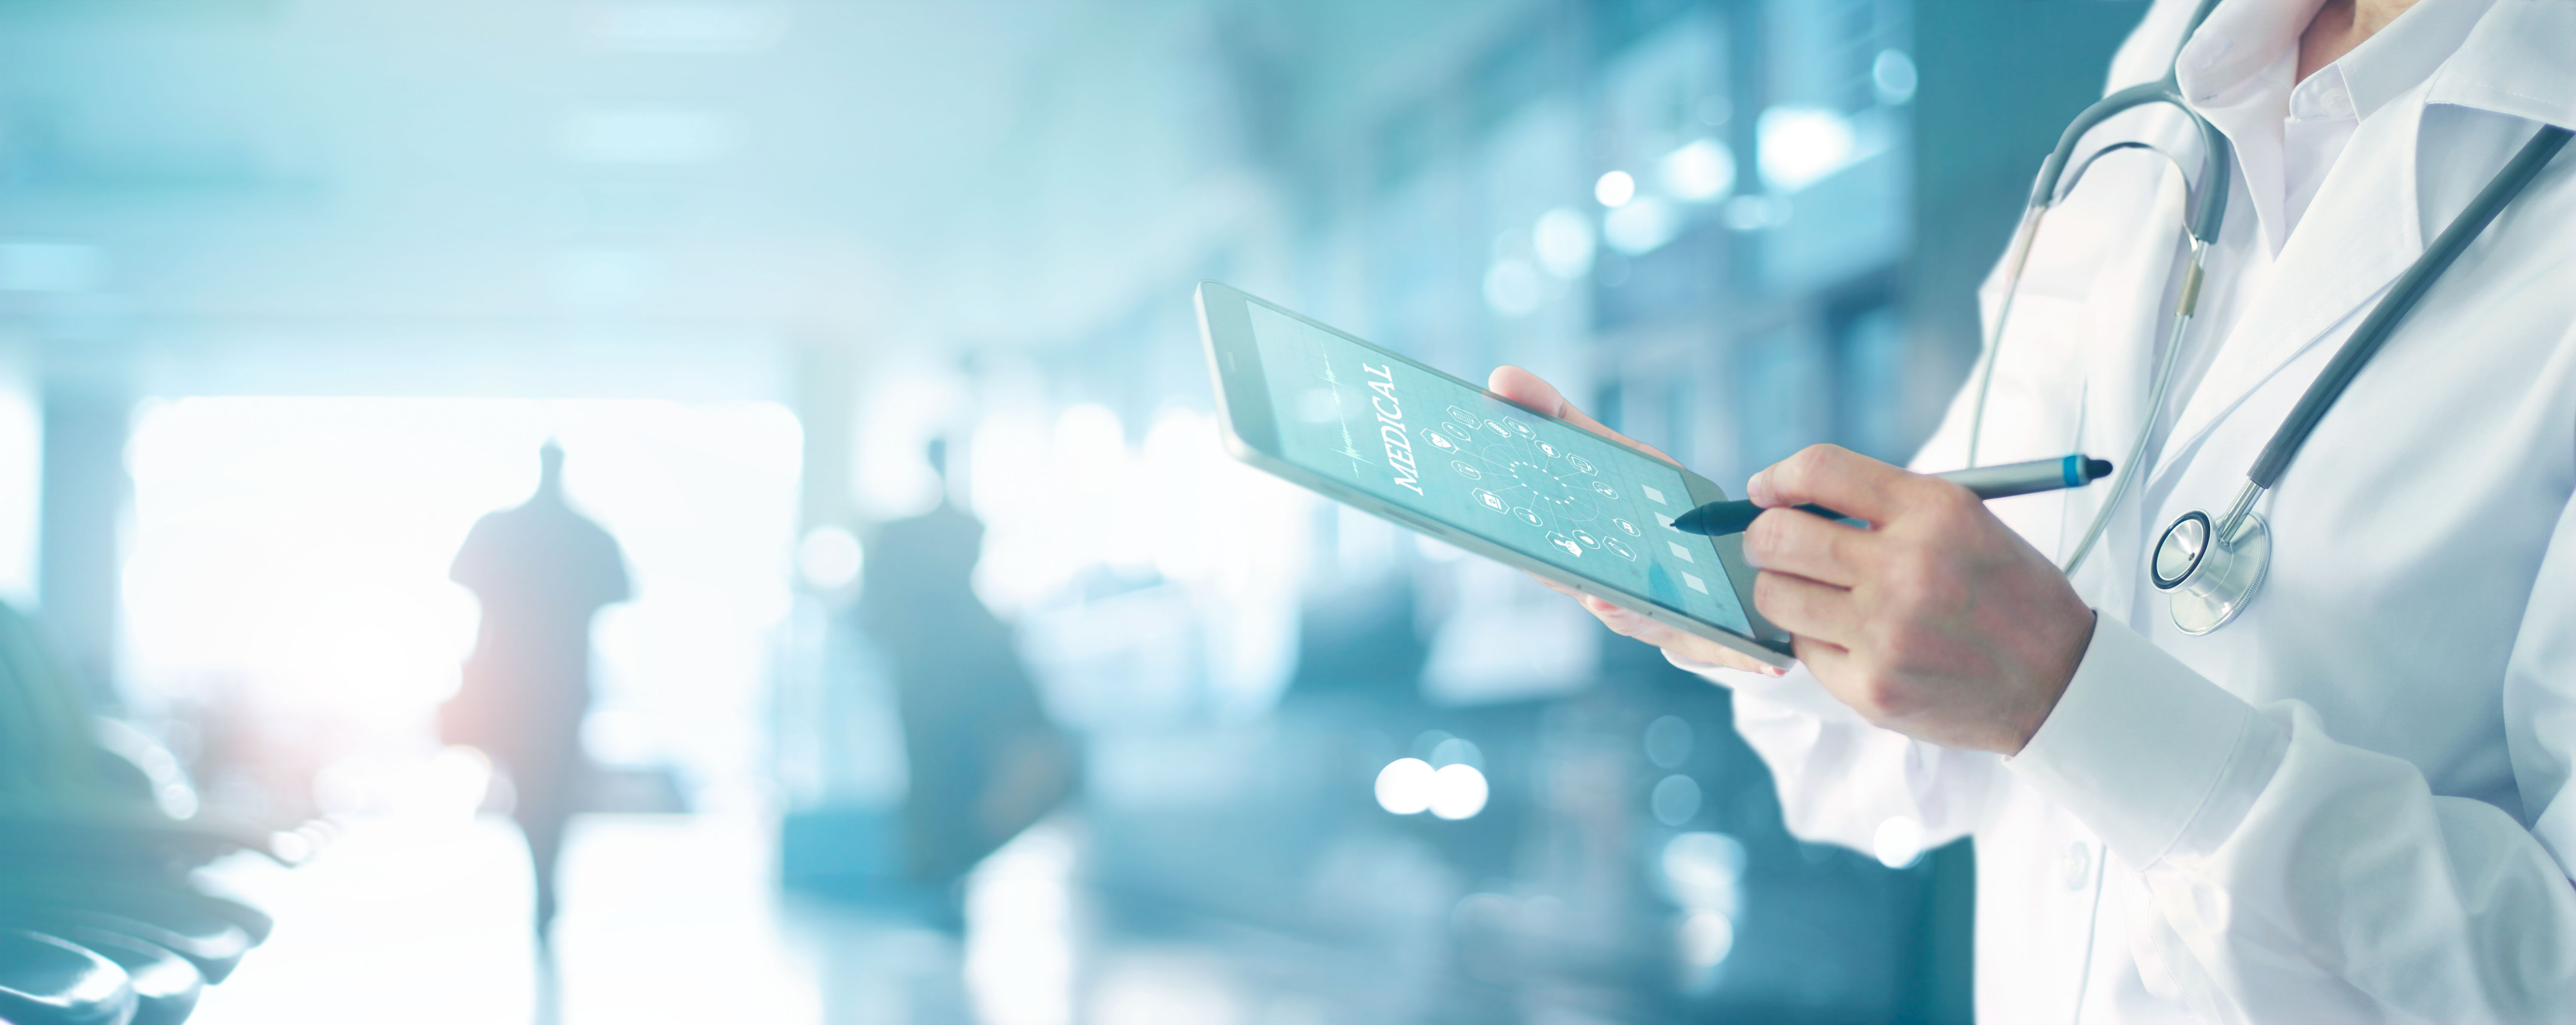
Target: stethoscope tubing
point(2401, 300)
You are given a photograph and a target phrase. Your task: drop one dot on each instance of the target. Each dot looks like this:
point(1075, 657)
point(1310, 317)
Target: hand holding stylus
point(1937, 621)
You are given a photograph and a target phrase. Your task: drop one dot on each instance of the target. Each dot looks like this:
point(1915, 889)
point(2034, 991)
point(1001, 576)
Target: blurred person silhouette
point(984, 759)
point(540, 570)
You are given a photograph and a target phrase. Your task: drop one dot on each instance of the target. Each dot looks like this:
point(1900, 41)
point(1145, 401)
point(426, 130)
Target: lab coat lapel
point(2358, 235)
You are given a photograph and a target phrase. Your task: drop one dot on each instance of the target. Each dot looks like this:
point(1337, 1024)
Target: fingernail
point(1759, 489)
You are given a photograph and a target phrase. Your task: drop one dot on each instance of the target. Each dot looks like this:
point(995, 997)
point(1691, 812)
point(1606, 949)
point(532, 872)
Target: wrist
point(2052, 685)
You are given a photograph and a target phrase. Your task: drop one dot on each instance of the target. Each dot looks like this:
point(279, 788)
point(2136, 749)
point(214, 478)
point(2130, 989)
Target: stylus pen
point(1718, 519)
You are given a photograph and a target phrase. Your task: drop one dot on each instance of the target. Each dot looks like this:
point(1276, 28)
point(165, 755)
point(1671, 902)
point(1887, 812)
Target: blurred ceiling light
point(1512, 288)
point(1405, 786)
point(1615, 189)
point(830, 558)
point(51, 267)
point(1701, 871)
point(1675, 800)
point(1563, 241)
point(1803, 145)
point(1668, 742)
point(713, 28)
point(1698, 172)
point(1458, 792)
point(644, 136)
point(1641, 227)
point(1714, 110)
point(1755, 213)
point(1705, 938)
point(1893, 74)
point(1898, 842)
point(1458, 751)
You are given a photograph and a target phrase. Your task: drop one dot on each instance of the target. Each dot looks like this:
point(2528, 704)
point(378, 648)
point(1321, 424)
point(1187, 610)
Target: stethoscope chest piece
point(2210, 578)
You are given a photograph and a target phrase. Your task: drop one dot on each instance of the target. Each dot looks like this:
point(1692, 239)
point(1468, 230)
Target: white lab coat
point(2352, 803)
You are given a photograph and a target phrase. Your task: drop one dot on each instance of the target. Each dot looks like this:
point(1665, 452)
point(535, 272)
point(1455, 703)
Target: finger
point(1557, 587)
point(1530, 390)
point(1802, 543)
point(1629, 623)
point(1807, 609)
point(1839, 479)
point(1828, 662)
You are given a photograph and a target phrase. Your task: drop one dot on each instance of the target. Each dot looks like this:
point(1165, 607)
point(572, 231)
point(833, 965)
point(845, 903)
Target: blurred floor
point(666, 918)
point(673, 919)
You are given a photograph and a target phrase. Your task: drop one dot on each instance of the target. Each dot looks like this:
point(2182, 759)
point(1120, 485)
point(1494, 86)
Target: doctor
point(2352, 802)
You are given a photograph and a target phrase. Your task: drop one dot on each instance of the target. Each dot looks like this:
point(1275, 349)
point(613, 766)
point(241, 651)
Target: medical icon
point(1464, 470)
point(1492, 501)
point(1454, 430)
point(1439, 441)
point(1462, 416)
point(1581, 465)
point(1604, 489)
point(1529, 516)
point(1548, 450)
point(1497, 427)
point(1520, 428)
point(1587, 537)
point(1619, 548)
point(1570, 546)
point(1631, 528)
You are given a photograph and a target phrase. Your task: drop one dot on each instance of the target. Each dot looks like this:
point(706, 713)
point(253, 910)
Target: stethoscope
point(2209, 566)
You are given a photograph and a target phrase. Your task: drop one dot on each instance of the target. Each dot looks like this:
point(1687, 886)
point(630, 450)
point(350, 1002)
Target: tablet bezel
point(1251, 432)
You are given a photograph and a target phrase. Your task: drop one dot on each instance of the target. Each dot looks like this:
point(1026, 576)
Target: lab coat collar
point(2366, 226)
point(2515, 62)
point(2240, 71)
point(2241, 39)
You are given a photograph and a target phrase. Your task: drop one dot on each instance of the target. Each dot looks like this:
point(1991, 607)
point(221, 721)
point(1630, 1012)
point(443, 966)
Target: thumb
point(1531, 390)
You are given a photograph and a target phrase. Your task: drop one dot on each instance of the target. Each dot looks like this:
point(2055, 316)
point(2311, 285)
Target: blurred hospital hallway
point(966, 678)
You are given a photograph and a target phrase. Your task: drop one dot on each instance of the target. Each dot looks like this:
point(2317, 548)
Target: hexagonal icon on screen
point(1520, 428)
point(1462, 416)
point(1589, 539)
point(1581, 465)
point(1440, 441)
point(1619, 548)
point(1626, 527)
point(1455, 430)
point(1604, 489)
point(1492, 501)
point(1464, 470)
point(1569, 545)
point(1550, 451)
point(1529, 516)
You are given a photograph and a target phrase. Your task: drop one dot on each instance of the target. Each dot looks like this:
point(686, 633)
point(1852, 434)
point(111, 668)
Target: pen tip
point(2096, 469)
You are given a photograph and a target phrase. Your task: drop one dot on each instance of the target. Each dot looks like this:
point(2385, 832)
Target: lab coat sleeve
point(1841, 779)
point(2288, 877)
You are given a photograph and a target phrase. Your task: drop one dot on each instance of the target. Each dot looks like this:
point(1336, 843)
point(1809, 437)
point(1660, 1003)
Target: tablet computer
point(1364, 426)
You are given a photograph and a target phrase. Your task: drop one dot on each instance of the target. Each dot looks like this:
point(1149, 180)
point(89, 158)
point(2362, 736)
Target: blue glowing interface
point(1452, 453)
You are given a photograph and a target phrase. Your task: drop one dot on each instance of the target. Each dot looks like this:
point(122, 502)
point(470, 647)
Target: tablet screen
point(1549, 490)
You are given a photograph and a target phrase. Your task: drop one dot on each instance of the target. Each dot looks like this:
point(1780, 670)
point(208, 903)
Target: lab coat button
point(2076, 866)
